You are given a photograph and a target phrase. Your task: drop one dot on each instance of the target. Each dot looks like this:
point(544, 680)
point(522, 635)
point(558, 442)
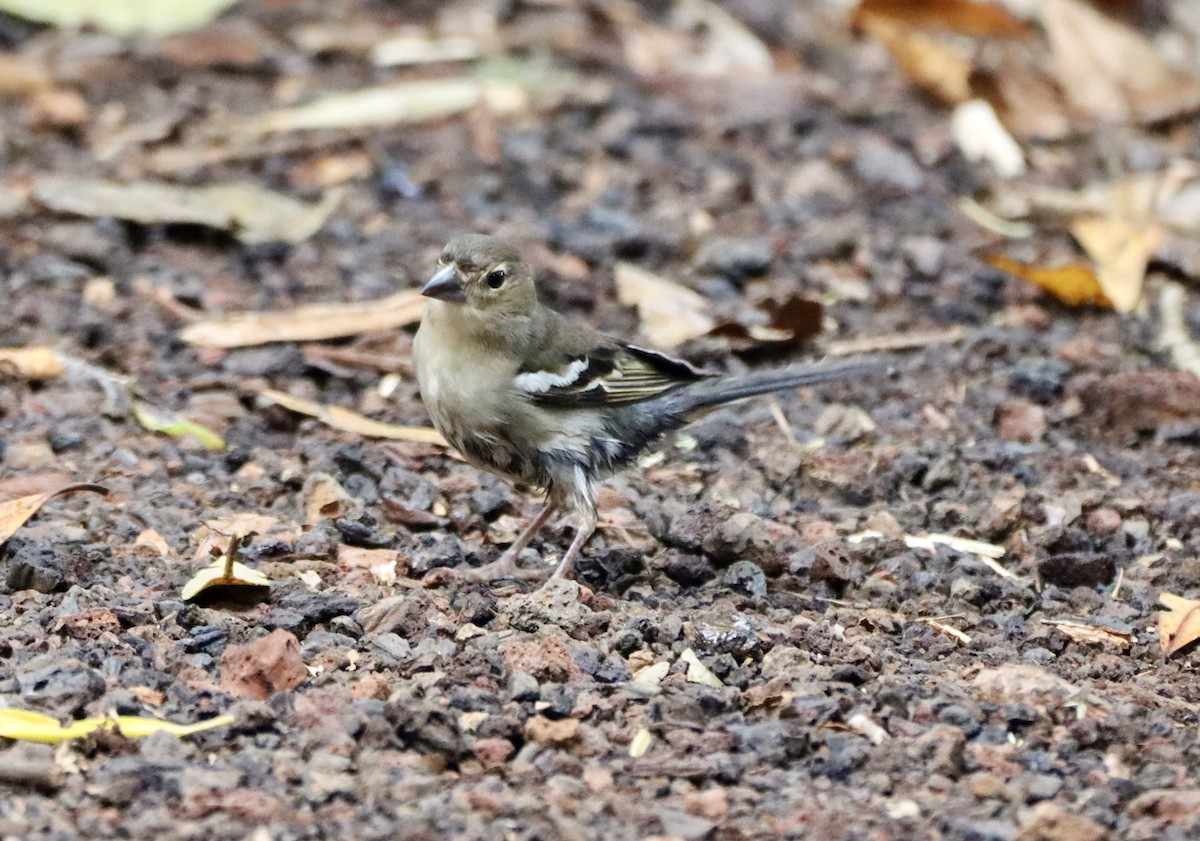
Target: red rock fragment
point(271, 664)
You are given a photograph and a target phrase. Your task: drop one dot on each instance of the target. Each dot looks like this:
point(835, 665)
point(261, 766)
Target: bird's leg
point(506, 565)
point(587, 526)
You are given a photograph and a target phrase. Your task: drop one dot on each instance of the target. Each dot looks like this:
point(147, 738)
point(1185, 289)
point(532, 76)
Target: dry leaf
point(965, 16)
point(670, 314)
point(253, 214)
point(226, 572)
point(348, 421)
point(1180, 625)
point(15, 512)
point(1091, 632)
point(1074, 284)
point(697, 672)
point(1121, 249)
point(941, 69)
point(1110, 71)
point(794, 321)
point(1019, 88)
point(32, 363)
point(120, 17)
point(37, 727)
point(418, 48)
point(168, 423)
point(410, 102)
point(308, 323)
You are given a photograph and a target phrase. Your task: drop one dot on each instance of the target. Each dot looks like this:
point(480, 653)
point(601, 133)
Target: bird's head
point(485, 274)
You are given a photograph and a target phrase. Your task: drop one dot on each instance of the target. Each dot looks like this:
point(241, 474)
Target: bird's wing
point(606, 374)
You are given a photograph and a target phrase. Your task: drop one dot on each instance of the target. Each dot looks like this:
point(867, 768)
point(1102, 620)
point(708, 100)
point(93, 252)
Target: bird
point(524, 392)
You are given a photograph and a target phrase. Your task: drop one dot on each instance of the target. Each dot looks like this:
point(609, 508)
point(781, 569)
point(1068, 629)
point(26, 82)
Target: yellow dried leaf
point(32, 363)
point(120, 17)
point(941, 69)
point(222, 573)
point(1180, 625)
point(308, 323)
point(159, 420)
point(36, 727)
point(1074, 284)
point(15, 512)
point(1121, 249)
point(348, 421)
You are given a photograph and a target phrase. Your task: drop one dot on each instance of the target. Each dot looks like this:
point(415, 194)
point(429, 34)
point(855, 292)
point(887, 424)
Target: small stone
point(270, 664)
point(1035, 787)
point(34, 566)
point(1077, 569)
point(878, 162)
point(493, 752)
point(1103, 521)
point(1048, 822)
point(983, 785)
point(523, 686)
point(547, 657)
point(818, 531)
point(684, 568)
point(747, 578)
point(550, 732)
point(735, 259)
point(1021, 421)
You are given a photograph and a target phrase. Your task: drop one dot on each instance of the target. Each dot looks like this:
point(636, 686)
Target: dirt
point(847, 689)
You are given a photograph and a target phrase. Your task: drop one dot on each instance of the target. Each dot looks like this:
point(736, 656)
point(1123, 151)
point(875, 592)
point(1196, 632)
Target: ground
point(736, 659)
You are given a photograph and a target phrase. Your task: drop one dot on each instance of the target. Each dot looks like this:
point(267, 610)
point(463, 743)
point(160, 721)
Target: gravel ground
point(730, 663)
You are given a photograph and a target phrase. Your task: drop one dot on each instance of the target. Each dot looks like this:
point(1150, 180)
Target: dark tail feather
point(705, 395)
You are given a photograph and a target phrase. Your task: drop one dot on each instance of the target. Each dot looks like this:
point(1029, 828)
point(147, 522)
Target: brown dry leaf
point(324, 498)
point(940, 68)
point(213, 537)
point(670, 314)
point(1074, 284)
point(253, 214)
point(15, 512)
point(1121, 249)
point(1028, 102)
point(31, 363)
point(794, 321)
point(1092, 633)
point(965, 16)
point(1180, 625)
point(348, 421)
point(308, 323)
point(1111, 72)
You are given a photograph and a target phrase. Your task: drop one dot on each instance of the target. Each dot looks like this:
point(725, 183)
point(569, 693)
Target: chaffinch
point(523, 392)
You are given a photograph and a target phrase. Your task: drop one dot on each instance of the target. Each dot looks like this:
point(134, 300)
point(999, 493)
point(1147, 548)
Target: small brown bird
point(521, 391)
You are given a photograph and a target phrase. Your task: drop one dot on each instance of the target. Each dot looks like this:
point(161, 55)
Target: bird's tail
point(697, 398)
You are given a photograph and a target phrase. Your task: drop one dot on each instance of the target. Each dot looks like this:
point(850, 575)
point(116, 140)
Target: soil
point(835, 688)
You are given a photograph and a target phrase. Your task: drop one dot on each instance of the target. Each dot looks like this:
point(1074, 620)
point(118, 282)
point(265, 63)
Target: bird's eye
point(495, 278)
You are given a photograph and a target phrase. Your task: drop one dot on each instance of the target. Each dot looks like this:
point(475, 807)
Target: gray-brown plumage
point(521, 391)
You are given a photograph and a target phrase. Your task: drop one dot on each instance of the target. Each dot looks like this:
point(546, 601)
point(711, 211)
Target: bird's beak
point(445, 285)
